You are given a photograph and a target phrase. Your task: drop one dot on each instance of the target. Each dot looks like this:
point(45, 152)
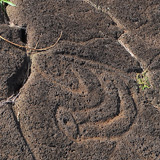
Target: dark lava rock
point(13, 62)
point(12, 142)
point(81, 100)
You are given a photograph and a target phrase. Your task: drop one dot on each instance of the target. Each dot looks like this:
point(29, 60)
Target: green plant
point(2, 2)
point(143, 80)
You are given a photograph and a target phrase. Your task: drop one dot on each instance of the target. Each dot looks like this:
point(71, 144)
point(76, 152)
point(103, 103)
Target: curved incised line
point(34, 49)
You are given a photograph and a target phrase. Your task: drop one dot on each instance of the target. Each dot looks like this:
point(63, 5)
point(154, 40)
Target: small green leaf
point(8, 2)
point(143, 80)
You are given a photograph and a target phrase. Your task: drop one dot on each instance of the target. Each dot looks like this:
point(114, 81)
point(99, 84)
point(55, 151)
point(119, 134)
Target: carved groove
point(101, 105)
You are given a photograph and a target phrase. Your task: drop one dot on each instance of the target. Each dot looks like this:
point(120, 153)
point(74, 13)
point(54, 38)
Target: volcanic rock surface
point(80, 99)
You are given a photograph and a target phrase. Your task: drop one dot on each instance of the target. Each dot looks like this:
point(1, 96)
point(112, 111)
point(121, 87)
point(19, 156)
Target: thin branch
point(33, 49)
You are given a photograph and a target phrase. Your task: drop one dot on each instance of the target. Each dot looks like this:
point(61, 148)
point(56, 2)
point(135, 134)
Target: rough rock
point(13, 145)
point(13, 62)
point(80, 100)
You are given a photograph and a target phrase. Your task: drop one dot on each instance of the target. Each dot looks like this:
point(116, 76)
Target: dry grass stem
point(33, 49)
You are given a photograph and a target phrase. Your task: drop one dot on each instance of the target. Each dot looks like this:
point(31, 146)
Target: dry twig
point(33, 49)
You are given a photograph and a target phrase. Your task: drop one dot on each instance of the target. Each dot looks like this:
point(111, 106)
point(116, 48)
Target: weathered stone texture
point(80, 100)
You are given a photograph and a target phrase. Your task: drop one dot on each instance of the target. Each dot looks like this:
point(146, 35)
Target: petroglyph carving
point(100, 105)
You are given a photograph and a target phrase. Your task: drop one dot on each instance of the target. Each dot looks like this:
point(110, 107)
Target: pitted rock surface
point(13, 144)
point(80, 99)
point(13, 62)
